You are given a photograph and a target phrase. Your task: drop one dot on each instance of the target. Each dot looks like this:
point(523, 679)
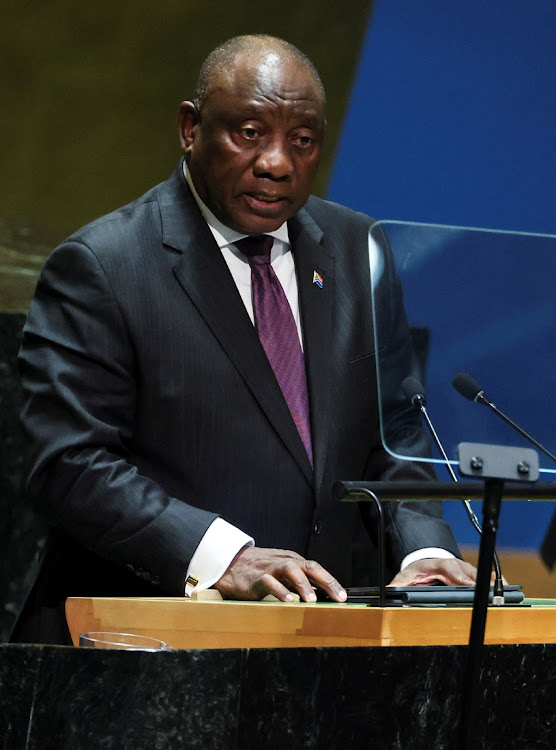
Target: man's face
point(254, 149)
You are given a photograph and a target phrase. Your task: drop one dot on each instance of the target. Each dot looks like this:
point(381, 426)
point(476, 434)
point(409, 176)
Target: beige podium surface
point(205, 624)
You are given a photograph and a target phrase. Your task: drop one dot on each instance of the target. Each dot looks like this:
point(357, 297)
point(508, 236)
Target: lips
point(266, 197)
point(265, 203)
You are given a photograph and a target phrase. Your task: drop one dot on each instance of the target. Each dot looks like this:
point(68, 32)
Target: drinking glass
point(122, 641)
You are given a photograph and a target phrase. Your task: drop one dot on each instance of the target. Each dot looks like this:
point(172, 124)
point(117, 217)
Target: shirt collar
point(222, 234)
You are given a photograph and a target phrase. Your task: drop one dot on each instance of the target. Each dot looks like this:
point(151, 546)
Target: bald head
point(268, 49)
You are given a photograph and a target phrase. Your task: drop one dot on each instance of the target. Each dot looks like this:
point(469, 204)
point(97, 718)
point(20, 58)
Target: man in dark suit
point(165, 456)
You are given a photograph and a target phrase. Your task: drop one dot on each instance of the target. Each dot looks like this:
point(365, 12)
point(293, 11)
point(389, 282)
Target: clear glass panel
point(480, 302)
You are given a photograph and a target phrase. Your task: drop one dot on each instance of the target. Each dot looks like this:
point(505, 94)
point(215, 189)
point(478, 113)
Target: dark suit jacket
point(152, 407)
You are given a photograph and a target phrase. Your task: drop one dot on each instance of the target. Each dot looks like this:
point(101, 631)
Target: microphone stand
point(491, 510)
point(498, 592)
point(480, 398)
point(493, 464)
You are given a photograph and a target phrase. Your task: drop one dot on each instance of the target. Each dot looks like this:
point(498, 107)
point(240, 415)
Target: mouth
point(265, 203)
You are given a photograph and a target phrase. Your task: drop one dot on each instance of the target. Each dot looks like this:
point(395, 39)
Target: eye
point(303, 141)
point(249, 133)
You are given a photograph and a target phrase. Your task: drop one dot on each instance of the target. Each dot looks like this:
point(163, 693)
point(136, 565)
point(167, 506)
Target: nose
point(274, 160)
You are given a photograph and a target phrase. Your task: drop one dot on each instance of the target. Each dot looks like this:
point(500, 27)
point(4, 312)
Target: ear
point(188, 121)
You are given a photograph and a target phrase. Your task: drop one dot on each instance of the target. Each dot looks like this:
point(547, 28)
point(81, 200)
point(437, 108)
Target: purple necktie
point(278, 333)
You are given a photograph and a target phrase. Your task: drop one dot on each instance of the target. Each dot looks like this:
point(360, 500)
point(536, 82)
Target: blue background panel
point(453, 116)
point(453, 121)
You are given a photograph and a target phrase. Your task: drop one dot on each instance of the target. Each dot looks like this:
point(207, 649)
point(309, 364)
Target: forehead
point(267, 80)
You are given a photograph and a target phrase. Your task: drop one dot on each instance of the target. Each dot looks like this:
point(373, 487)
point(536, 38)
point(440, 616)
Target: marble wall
point(21, 532)
point(376, 698)
point(23, 250)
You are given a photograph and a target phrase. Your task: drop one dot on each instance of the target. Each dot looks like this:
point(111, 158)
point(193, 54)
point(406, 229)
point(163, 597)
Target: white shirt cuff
point(423, 554)
point(213, 556)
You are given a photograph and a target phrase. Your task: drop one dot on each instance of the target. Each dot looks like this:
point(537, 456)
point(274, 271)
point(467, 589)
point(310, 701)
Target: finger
point(455, 573)
point(419, 573)
point(268, 584)
point(293, 575)
point(463, 573)
point(323, 580)
point(451, 572)
point(407, 578)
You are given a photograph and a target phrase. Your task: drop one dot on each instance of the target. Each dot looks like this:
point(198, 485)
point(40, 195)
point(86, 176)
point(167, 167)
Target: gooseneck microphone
point(470, 389)
point(414, 391)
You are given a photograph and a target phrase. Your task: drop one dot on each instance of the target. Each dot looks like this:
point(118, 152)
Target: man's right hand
point(257, 571)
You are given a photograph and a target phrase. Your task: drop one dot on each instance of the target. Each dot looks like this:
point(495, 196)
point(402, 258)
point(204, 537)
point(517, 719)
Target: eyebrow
point(257, 110)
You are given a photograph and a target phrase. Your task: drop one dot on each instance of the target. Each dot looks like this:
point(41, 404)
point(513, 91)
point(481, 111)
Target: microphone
point(470, 389)
point(414, 391)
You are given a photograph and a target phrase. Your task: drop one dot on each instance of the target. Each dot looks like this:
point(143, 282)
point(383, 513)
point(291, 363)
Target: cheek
point(306, 171)
point(226, 155)
point(229, 162)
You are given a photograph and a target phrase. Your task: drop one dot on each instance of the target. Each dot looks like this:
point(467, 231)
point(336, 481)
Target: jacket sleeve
point(78, 371)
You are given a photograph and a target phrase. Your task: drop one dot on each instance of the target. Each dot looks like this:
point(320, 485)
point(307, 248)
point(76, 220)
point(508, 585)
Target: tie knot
point(256, 247)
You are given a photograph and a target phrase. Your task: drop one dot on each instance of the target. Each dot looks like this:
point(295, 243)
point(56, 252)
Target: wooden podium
point(188, 624)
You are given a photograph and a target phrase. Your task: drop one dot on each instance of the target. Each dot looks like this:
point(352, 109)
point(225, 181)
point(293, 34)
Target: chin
point(262, 224)
point(256, 226)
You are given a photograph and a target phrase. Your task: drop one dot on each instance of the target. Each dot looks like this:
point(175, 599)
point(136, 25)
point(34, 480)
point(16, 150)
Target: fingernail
point(289, 597)
point(342, 595)
point(312, 597)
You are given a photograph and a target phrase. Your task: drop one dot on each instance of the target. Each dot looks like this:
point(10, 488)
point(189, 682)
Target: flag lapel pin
point(317, 279)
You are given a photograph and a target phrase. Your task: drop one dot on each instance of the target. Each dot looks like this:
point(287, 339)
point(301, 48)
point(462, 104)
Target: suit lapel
point(203, 274)
point(316, 303)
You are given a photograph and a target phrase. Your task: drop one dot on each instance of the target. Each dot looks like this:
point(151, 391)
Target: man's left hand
point(452, 572)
